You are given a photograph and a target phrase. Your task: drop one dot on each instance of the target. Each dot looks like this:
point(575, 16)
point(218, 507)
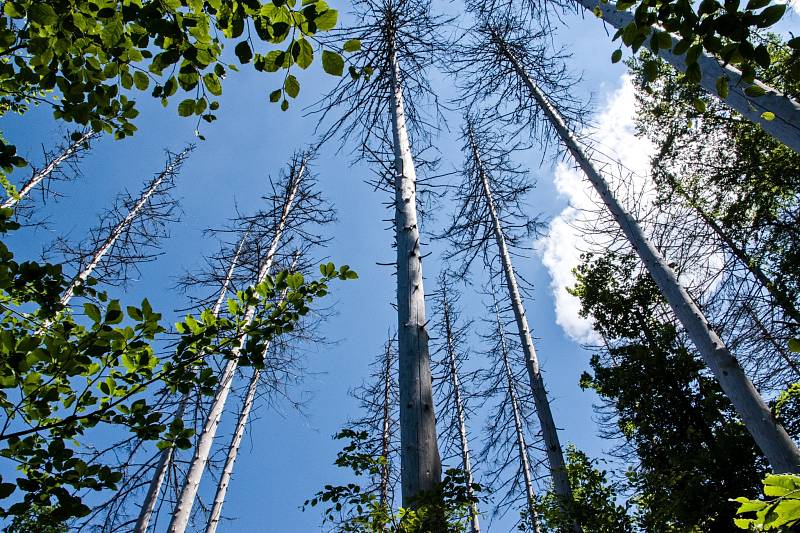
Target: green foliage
point(693, 453)
point(446, 509)
point(594, 506)
point(781, 513)
point(720, 29)
point(59, 378)
point(85, 58)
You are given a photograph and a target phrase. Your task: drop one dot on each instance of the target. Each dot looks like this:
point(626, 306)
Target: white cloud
point(561, 249)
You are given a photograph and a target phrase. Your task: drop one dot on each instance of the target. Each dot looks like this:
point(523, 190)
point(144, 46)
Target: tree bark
point(165, 459)
point(118, 230)
point(779, 449)
point(421, 467)
point(37, 177)
point(785, 127)
point(555, 455)
point(183, 509)
point(475, 526)
point(522, 447)
point(386, 428)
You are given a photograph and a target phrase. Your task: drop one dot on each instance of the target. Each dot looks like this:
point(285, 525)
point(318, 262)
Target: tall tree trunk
point(555, 455)
point(165, 459)
point(459, 404)
point(779, 449)
point(421, 467)
point(39, 176)
point(121, 226)
point(522, 447)
point(785, 127)
point(183, 508)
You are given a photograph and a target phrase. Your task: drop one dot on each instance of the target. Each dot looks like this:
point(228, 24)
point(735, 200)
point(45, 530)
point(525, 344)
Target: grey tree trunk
point(165, 459)
point(39, 176)
point(785, 127)
point(421, 467)
point(555, 455)
point(459, 405)
point(118, 230)
point(183, 508)
point(519, 430)
point(233, 451)
point(779, 449)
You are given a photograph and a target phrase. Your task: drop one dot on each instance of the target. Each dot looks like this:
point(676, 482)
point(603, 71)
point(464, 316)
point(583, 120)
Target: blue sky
point(286, 457)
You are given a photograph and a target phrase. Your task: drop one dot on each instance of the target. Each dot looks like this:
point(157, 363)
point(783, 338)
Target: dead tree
point(378, 401)
point(507, 443)
point(449, 384)
point(55, 161)
point(165, 458)
point(501, 49)
point(489, 202)
point(128, 232)
point(294, 204)
point(399, 41)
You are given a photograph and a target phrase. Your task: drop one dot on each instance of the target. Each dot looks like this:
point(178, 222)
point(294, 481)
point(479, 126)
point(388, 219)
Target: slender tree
point(236, 438)
point(449, 375)
point(79, 143)
point(508, 424)
point(127, 230)
point(166, 455)
point(398, 42)
point(287, 202)
point(489, 199)
point(502, 47)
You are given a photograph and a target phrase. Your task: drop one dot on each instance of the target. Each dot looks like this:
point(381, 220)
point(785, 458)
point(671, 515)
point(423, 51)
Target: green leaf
point(243, 52)
point(650, 70)
point(284, 105)
point(141, 80)
point(332, 63)
point(723, 87)
point(352, 45)
point(699, 105)
point(771, 15)
point(291, 86)
point(754, 91)
point(794, 345)
point(212, 83)
point(305, 54)
point(92, 311)
point(326, 20)
point(42, 14)
point(186, 108)
point(616, 56)
point(768, 116)
point(6, 489)
point(275, 95)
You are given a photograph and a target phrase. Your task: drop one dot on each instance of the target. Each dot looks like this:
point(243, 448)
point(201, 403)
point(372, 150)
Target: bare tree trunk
point(421, 467)
point(37, 177)
point(233, 451)
point(183, 508)
point(118, 230)
point(785, 126)
point(462, 425)
point(154, 489)
point(779, 449)
point(555, 455)
point(522, 447)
